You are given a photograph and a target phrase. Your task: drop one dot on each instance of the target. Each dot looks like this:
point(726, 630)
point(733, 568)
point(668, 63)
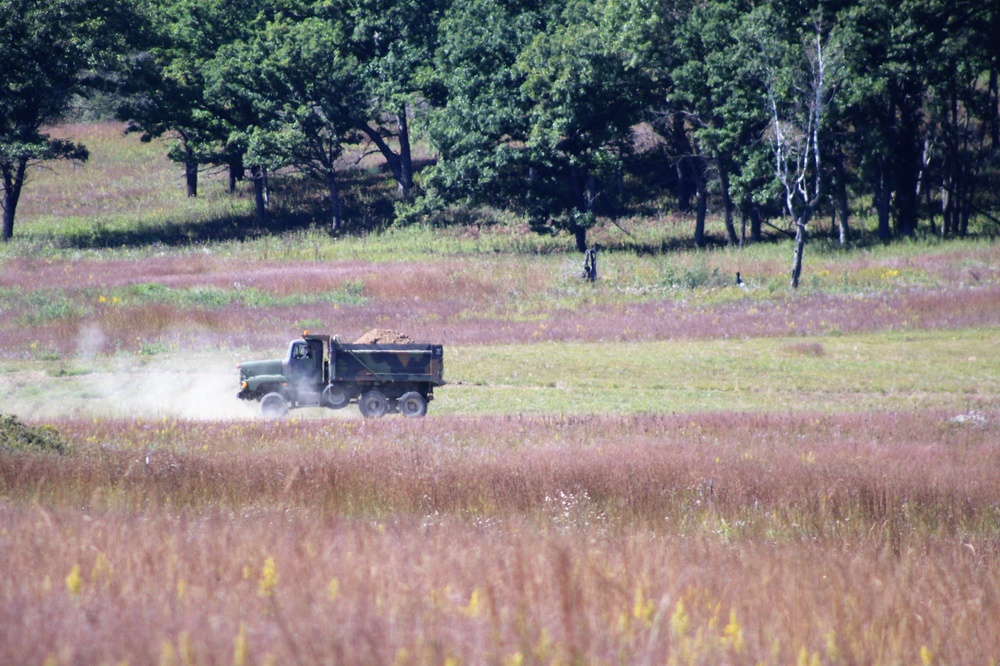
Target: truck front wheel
point(373, 404)
point(412, 404)
point(273, 406)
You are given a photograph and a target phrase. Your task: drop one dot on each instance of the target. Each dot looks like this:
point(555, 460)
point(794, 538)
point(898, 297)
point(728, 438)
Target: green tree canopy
point(478, 118)
point(52, 51)
point(304, 84)
point(584, 95)
point(165, 89)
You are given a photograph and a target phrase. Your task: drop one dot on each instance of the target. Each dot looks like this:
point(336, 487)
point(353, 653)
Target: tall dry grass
point(696, 539)
point(278, 586)
point(749, 475)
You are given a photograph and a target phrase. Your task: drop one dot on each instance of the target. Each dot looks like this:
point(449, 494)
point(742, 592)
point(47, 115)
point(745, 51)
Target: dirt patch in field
point(383, 336)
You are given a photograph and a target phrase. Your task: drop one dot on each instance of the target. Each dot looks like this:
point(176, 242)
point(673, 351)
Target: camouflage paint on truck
point(398, 363)
point(318, 370)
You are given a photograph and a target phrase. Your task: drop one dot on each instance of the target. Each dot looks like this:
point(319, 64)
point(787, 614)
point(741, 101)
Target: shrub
point(18, 436)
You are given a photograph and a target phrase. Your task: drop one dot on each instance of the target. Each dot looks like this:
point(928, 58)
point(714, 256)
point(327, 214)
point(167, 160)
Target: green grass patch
point(41, 306)
point(927, 370)
point(885, 371)
point(215, 297)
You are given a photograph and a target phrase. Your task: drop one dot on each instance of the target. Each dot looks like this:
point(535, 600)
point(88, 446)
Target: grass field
point(656, 468)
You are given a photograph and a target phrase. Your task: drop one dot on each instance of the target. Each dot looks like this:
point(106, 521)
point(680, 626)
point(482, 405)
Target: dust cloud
point(167, 385)
point(152, 390)
point(198, 385)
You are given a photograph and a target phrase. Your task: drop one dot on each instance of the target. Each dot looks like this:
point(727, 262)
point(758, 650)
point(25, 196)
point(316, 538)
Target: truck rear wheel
point(373, 404)
point(412, 404)
point(273, 406)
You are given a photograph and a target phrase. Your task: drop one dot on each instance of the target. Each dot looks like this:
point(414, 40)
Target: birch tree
point(799, 74)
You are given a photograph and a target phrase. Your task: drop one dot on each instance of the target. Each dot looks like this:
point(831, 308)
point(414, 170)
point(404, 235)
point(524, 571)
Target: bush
point(18, 436)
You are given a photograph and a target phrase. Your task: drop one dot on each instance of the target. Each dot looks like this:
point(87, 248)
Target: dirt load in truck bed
point(383, 336)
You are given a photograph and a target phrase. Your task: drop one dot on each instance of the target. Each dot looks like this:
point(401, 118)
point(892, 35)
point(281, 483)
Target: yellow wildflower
point(74, 583)
point(241, 649)
point(680, 621)
point(642, 609)
point(734, 632)
point(516, 659)
point(168, 657)
point(475, 605)
point(268, 578)
point(832, 649)
point(187, 652)
point(101, 573)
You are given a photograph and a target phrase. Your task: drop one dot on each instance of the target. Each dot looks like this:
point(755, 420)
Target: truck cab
point(307, 362)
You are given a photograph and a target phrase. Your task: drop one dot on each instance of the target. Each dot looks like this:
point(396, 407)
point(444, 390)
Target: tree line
point(774, 109)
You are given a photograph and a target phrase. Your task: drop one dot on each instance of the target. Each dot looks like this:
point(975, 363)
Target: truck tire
point(373, 404)
point(335, 397)
point(274, 406)
point(412, 405)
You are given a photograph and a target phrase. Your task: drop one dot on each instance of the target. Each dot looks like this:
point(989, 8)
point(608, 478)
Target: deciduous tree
point(50, 52)
point(393, 42)
point(478, 117)
point(164, 91)
point(305, 87)
point(585, 95)
point(798, 63)
point(717, 121)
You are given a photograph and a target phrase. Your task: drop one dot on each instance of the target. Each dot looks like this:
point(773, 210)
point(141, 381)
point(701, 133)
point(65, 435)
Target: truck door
point(305, 362)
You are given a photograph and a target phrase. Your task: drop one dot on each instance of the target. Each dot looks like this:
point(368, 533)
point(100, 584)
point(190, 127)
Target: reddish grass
point(180, 271)
point(454, 302)
point(631, 469)
point(855, 538)
point(407, 592)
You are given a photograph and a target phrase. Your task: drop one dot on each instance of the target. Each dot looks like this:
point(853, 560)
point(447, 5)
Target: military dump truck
point(319, 370)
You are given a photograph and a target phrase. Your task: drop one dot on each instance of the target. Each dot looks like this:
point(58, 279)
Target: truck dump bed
point(387, 363)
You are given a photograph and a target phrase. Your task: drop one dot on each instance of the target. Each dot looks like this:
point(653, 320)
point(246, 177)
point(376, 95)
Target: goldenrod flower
point(679, 621)
point(168, 657)
point(642, 609)
point(268, 578)
point(101, 573)
point(184, 647)
point(74, 583)
point(734, 632)
point(516, 659)
point(475, 606)
point(241, 650)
